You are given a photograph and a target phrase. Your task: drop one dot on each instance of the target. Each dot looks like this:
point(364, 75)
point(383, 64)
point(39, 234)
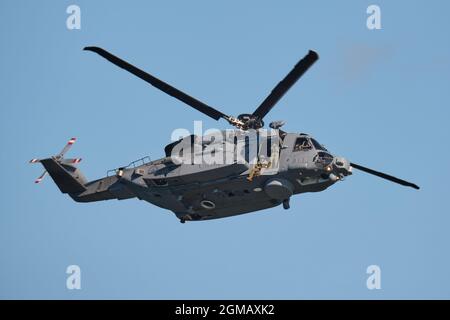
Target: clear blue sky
point(380, 98)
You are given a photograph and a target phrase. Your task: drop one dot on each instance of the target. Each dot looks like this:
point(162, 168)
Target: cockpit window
point(317, 145)
point(301, 144)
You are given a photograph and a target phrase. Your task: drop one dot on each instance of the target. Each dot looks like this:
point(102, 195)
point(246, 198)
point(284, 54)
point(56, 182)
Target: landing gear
point(182, 220)
point(286, 204)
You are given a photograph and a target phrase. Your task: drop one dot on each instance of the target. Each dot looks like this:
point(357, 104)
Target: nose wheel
point(286, 204)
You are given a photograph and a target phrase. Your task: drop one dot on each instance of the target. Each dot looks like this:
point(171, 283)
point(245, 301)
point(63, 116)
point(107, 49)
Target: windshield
point(317, 145)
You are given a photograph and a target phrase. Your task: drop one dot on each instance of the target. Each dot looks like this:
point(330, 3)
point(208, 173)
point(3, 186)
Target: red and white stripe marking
point(38, 180)
point(77, 160)
point(35, 160)
point(67, 147)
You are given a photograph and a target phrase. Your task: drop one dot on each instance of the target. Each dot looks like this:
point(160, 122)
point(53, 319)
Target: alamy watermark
point(73, 21)
point(73, 281)
point(374, 279)
point(214, 146)
point(373, 21)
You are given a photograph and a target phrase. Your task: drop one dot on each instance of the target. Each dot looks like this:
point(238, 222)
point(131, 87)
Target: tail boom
point(71, 181)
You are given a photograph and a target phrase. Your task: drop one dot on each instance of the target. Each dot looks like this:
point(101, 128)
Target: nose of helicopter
point(342, 166)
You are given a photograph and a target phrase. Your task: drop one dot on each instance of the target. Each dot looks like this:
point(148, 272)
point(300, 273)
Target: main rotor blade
point(161, 85)
point(385, 176)
point(284, 85)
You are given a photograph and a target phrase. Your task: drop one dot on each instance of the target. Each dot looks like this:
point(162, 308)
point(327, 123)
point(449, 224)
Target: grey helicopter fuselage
point(212, 176)
point(202, 191)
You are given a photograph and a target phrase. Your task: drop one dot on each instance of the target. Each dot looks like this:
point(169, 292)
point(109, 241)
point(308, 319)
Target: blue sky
point(380, 98)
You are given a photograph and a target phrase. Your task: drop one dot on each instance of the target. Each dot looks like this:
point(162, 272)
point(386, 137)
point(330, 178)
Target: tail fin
point(68, 178)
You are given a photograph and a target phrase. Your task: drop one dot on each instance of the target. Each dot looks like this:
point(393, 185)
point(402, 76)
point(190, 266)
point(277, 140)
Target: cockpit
point(304, 143)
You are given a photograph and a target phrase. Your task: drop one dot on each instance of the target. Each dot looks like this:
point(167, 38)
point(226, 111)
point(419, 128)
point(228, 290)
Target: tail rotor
point(60, 158)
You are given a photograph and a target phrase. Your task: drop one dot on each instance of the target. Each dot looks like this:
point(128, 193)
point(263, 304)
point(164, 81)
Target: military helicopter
point(284, 164)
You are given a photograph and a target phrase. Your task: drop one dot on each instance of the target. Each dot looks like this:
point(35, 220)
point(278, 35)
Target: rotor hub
point(251, 121)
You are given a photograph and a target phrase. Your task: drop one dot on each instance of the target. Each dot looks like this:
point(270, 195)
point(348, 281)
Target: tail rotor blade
point(385, 176)
point(67, 147)
point(71, 161)
point(42, 176)
point(34, 161)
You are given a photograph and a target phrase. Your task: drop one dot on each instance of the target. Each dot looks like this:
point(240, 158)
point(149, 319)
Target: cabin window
point(301, 144)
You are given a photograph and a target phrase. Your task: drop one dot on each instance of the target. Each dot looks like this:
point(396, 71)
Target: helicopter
point(263, 168)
